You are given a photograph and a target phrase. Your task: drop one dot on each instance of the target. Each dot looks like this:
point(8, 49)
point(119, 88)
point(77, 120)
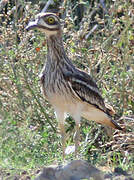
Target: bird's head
point(48, 23)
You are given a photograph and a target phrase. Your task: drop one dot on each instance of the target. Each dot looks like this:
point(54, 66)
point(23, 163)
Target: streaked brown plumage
point(67, 88)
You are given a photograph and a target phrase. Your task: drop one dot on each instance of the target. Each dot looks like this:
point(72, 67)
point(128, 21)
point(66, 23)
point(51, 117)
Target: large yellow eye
point(51, 20)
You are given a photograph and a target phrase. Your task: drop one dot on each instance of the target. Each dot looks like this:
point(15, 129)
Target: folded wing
point(86, 89)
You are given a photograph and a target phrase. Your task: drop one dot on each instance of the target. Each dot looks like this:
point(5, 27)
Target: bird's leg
point(77, 137)
point(61, 118)
point(63, 138)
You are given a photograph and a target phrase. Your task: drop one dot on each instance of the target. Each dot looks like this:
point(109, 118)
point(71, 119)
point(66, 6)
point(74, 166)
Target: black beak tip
point(27, 28)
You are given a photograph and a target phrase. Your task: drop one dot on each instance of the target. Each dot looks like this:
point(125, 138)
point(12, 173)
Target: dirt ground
point(43, 174)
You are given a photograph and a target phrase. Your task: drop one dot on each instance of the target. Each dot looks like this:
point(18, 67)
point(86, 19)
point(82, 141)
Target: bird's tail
point(111, 112)
point(101, 117)
point(115, 125)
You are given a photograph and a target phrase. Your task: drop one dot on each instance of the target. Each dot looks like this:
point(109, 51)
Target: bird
point(69, 89)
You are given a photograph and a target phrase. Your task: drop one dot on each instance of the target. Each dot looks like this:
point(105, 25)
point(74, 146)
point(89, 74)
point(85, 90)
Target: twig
point(102, 2)
point(47, 5)
point(3, 4)
point(91, 31)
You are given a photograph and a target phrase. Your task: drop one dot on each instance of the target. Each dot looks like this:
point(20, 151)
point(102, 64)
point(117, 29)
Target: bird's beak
point(32, 25)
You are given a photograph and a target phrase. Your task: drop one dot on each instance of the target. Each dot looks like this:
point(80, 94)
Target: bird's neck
point(56, 53)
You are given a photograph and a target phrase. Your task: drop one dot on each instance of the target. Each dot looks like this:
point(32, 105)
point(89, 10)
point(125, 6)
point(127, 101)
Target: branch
point(3, 4)
point(47, 5)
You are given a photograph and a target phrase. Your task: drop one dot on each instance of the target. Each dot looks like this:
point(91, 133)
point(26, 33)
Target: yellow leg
point(77, 138)
point(63, 138)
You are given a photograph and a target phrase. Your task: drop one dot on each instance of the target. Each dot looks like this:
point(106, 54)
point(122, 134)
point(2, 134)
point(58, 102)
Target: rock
point(75, 170)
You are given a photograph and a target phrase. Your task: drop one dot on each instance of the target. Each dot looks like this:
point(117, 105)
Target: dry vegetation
point(27, 123)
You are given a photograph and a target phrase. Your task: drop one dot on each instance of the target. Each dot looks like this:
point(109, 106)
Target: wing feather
point(86, 89)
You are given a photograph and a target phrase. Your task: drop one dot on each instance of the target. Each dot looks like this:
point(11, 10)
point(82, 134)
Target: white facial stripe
point(48, 32)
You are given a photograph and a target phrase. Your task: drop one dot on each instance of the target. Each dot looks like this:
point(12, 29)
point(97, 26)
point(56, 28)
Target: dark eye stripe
point(50, 15)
